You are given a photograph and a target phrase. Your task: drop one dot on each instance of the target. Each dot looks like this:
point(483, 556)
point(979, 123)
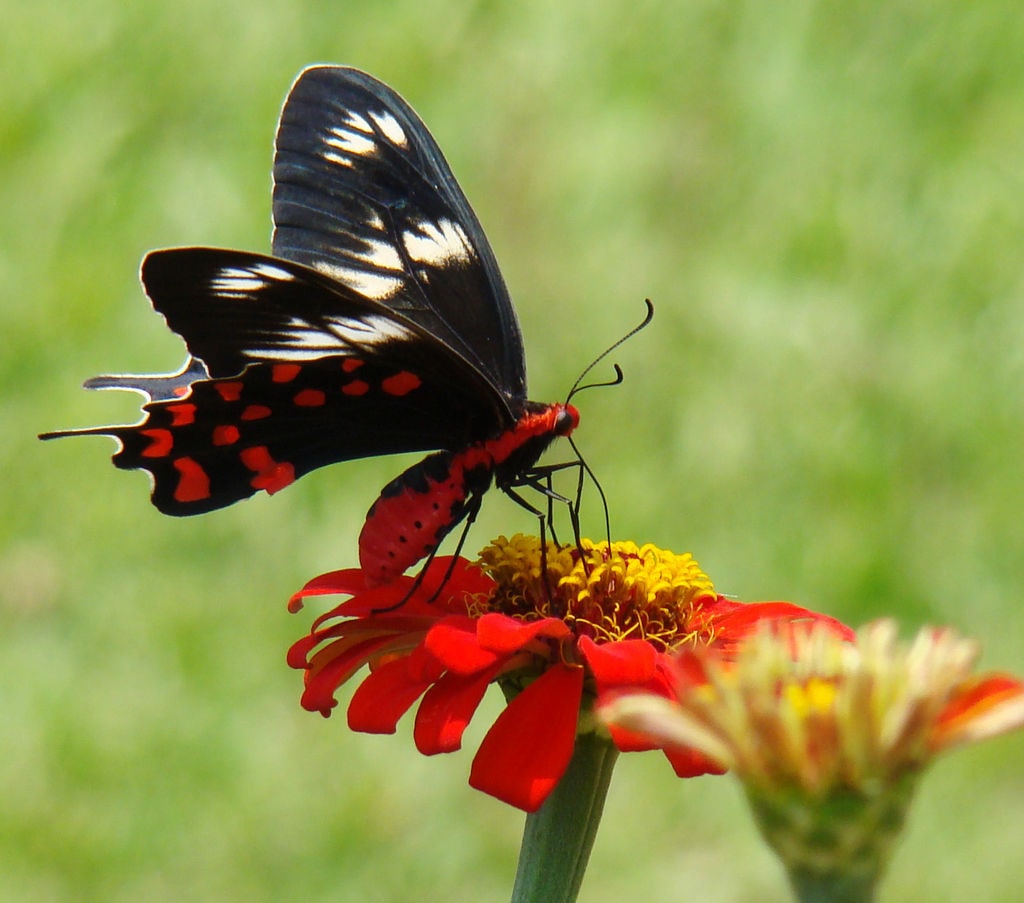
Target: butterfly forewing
point(233, 308)
point(363, 194)
point(237, 308)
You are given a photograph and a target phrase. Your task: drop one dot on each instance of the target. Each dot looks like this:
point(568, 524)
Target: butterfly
point(380, 324)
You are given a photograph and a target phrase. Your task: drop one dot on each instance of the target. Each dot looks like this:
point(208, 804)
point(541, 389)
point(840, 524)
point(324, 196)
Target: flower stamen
point(607, 593)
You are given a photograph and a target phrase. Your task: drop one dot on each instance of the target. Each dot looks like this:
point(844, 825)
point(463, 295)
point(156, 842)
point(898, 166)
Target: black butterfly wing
point(229, 438)
point(157, 386)
point(289, 372)
point(363, 195)
point(382, 325)
point(236, 308)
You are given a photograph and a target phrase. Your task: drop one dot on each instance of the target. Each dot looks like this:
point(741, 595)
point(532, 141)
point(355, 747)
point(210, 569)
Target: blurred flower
point(828, 737)
point(555, 631)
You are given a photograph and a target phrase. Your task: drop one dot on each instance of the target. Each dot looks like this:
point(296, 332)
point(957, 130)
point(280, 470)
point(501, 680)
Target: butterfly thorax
point(516, 450)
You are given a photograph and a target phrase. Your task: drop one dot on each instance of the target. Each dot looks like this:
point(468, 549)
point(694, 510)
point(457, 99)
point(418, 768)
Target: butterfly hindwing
point(228, 438)
point(157, 386)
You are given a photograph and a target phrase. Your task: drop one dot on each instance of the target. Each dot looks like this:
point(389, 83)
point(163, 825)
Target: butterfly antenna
point(576, 387)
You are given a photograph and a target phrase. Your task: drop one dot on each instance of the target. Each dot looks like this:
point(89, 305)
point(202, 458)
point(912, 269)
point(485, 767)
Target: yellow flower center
point(813, 697)
point(608, 593)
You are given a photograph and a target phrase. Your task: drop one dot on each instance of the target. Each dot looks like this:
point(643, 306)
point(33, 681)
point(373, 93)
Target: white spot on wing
point(269, 271)
point(382, 254)
point(369, 330)
point(298, 349)
point(295, 351)
point(438, 243)
point(246, 280)
point(336, 159)
point(298, 340)
point(390, 127)
point(349, 141)
point(367, 283)
point(356, 121)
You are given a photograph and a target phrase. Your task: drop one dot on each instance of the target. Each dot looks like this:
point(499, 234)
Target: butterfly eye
point(566, 421)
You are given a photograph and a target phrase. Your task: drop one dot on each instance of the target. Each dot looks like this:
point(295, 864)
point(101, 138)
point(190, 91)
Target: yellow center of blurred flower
point(816, 696)
point(608, 593)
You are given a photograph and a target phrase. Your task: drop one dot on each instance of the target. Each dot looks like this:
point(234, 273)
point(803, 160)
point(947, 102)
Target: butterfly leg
point(542, 519)
point(540, 480)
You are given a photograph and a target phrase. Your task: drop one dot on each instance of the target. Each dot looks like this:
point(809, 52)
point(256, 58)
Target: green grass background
point(826, 202)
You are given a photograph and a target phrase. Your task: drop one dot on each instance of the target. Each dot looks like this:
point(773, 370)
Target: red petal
point(622, 663)
point(974, 701)
point(325, 672)
point(349, 582)
point(384, 697)
point(348, 640)
point(689, 763)
point(318, 695)
point(465, 580)
point(453, 641)
point(735, 621)
point(687, 669)
point(503, 634)
point(526, 752)
point(445, 711)
point(629, 741)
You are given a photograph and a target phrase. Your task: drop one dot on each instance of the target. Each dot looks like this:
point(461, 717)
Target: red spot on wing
point(285, 373)
point(229, 391)
point(310, 398)
point(162, 441)
point(181, 391)
point(356, 387)
point(351, 364)
point(182, 414)
point(193, 482)
point(269, 474)
point(401, 383)
point(226, 435)
point(256, 412)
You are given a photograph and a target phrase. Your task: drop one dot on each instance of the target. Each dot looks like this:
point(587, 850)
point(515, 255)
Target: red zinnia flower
point(555, 642)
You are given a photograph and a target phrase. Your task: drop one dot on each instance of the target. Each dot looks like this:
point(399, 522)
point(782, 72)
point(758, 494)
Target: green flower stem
point(559, 836)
